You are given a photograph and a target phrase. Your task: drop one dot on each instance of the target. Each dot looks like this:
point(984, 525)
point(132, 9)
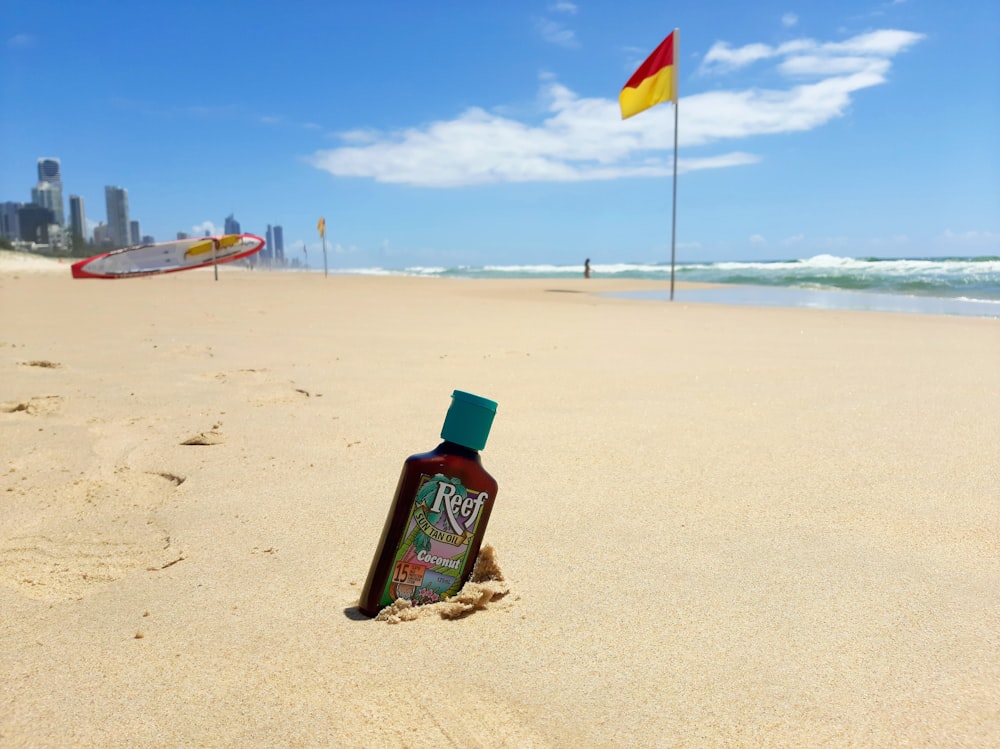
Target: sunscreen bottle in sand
point(436, 522)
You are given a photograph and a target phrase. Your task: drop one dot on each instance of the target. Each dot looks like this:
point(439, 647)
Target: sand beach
point(717, 525)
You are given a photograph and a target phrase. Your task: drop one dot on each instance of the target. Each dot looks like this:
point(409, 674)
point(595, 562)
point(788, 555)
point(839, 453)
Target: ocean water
point(948, 285)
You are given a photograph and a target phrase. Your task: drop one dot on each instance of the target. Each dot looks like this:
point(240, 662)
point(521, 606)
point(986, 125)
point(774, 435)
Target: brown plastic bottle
point(438, 516)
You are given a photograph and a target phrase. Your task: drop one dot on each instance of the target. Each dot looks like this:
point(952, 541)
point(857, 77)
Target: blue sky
point(488, 133)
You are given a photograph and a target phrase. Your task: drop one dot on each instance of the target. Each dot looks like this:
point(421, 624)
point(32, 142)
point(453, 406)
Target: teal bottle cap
point(468, 420)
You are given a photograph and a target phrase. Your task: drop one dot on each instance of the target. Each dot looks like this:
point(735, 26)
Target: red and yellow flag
point(321, 226)
point(655, 81)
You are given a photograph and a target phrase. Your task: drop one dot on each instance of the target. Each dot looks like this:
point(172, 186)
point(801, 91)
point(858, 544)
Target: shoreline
point(747, 295)
point(727, 294)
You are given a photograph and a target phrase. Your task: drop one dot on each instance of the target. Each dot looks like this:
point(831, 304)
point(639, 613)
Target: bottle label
point(428, 563)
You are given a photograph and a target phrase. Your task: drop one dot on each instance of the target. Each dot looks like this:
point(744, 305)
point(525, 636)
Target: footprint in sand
point(34, 406)
point(261, 387)
point(210, 437)
point(65, 565)
point(43, 363)
point(192, 352)
point(97, 533)
point(482, 721)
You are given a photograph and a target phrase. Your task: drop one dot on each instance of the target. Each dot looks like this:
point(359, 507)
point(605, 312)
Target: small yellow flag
point(322, 227)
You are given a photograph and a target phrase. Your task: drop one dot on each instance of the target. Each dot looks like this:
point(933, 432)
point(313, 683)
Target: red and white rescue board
point(168, 257)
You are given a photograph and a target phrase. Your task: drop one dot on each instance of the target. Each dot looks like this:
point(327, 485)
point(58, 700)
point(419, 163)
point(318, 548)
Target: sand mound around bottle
point(486, 586)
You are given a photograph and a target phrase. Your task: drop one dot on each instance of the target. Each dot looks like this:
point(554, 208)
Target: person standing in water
point(586, 268)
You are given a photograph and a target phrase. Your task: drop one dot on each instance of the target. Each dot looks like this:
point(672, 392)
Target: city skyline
point(119, 230)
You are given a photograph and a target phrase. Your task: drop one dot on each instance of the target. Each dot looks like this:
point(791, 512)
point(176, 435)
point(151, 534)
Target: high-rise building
point(49, 170)
point(10, 227)
point(279, 245)
point(77, 218)
point(232, 225)
point(49, 195)
point(267, 254)
point(48, 192)
point(134, 235)
point(182, 235)
point(102, 235)
point(34, 221)
point(116, 199)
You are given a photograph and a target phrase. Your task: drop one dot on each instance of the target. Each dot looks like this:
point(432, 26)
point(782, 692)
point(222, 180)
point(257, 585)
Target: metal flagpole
point(215, 261)
point(673, 222)
point(321, 226)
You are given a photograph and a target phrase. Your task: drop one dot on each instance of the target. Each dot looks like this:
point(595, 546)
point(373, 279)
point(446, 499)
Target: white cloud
point(887, 43)
point(817, 65)
point(789, 19)
point(205, 226)
point(721, 55)
point(555, 32)
point(882, 45)
point(734, 158)
point(21, 41)
point(359, 136)
point(758, 240)
point(896, 240)
point(579, 139)
point(971, 236)
point(582, 139)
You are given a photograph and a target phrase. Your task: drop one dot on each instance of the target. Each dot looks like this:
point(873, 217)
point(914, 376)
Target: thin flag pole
point(215, 259)
point(321, 226)
point(673, 220)
point(655, 82)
